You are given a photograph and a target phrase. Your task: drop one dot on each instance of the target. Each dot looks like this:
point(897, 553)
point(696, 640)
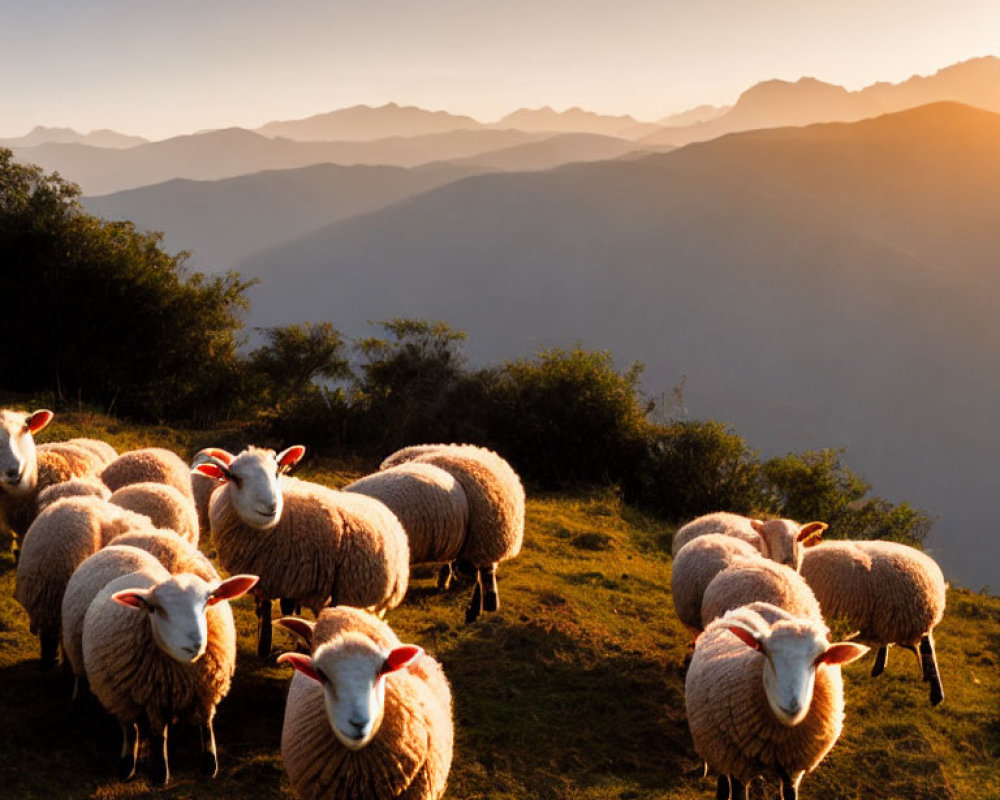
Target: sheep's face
point(18, 461)
point(352, 671)
point(177, 609)
point(783, 540)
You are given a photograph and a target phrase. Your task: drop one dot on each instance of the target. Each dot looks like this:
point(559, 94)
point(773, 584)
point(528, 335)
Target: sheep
point(890, 592)
point(163, 504)
point(781, 540)
point(170, 550)
point(496, 510)
point(764, 696)
point(159, 648)
point(149, 464)
point(74, 487)
point(202, 486)
point(26, 469)
point(58, 541)
point(755, 579)
point(366, 716)
point(308, 543)
point(695, 565)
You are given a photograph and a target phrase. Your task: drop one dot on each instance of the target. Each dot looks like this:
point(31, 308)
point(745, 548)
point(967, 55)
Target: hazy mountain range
point(43, 135)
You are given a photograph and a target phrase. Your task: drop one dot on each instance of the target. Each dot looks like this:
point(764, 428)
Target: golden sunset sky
point(158, 69)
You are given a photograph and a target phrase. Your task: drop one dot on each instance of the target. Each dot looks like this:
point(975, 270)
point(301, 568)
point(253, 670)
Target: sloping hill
point(819, 286)
point(558, 150)
point(365, 123)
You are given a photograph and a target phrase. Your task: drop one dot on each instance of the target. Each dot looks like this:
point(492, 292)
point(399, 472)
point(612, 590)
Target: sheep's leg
point(130, 750)
point(81, 693)
point(50, 648)
point(444, 577)
point(928, 661)
point(789, 785)
point(881, 657)
point(475, 607)
point(737, 789)
point(159, 766)
point(491, 594)
point(209, 755)
point(289, 606)
point(722, 789)
point(263, 625)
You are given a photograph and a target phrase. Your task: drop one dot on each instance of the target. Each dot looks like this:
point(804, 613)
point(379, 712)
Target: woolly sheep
point(155, 464)
point(892, 593)
point(764, 696)
point(202, 486)
point(756, 579)
point(159, 648)
point(781, 540)
point(74, 487)
point(309, 544)
point(165, 506)
point(694, 567)
point(170, 550)
point(366, 716)
point(496, 510)
point(58, 541)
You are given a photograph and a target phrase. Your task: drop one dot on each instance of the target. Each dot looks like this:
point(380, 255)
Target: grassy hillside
point(573, 690)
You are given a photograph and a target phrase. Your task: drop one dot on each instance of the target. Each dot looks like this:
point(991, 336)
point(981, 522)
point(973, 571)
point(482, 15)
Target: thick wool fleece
point(90, 578)
point(63, 536)
point(104, 452)
point(892, 593)
point(734, 730)
point(429, 502)
point(327, 545)
point(165, 506)
point(202, 488)
point(694, 567)
point(410, 756)
point(74, 487)
point(155, 464)
point(756, 579)
point(172, 552)
point(134, 679)
point(721, 522)
point(494, 493)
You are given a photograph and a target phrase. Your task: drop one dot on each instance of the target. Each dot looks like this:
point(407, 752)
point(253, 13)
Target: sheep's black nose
point(14, 473)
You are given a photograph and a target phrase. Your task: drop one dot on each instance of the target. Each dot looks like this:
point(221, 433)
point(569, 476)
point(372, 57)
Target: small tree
point(295, 357)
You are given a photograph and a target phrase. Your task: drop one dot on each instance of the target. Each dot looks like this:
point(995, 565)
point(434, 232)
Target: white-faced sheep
point(165, 506)
point(156, 464)
point(764, 697)
point(309, 544)
point(781, 540)
point(495, 499)
point(159, 648)
point(366, 717)
point(58, 541)
point(890, 592)
point(694, 566)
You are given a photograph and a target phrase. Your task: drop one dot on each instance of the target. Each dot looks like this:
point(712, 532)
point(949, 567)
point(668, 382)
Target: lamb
point(781, 540)
point(309, 544)
point(755, 579)
point(495, 499)
point(159, 648)
point(155, 464)
point(366, 716)
point(58, 541)
point(694, 567)
point(764, 696)
point(165, 506)
point(892, 593)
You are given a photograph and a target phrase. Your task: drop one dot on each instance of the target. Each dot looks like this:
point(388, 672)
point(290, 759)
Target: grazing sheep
point(496, 510)
point(366, 717)
point(170, 550)
point(165, 506)
point(58, 541)
point(74, 487)
point(155, 464)
point(159, 648)
point(892, 593)
point(694, 567)
point(764, 697)
point(781, 540)
point(309, 544)
point(756, 579)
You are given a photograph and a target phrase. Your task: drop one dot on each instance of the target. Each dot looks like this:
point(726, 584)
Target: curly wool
point(327, 545)
point(756, 579)
point(134, 679)
point(694, 567)
point(74, 487)
point(429, 502)
point(734, 730)
point(175, 554)
point(410, 756)
point(493, 490)
point(892, 593)
point(165, 506)
point(156, 464)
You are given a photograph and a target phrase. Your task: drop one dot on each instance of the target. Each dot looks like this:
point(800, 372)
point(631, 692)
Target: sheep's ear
point(216, 452)
point(39, 420)
point(842, 653)
point(290, 456)
point(745, 636)
point(133, 598)
point(811, 533)
point(400, 657)
point(233, 587)
point(213, 471)
point(300, 627)
point(303, 664)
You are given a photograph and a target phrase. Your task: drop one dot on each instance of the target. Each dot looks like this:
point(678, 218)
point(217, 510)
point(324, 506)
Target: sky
point(159, 69)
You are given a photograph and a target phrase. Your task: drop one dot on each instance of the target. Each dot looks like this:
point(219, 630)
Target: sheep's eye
point(25, 429)
point(236, 479)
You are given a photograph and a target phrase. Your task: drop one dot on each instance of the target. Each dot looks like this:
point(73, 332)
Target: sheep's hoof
point(444, 578)
point(491, 601)
point(126, 768)
point(209, 764)
point(472, 614)
point(937, 693)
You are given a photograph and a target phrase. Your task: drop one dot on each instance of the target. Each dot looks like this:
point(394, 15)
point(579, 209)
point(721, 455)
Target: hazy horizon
point(160, 71)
